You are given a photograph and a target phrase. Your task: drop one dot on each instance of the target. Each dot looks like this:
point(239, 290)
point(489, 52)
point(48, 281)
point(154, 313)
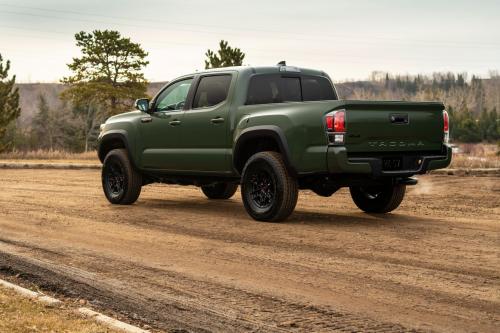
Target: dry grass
point(473, 156)
point(21, 315)
point(48, 155)
point(472, 162)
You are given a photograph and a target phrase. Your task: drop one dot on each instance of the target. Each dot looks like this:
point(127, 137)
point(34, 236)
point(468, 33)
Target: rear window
point(266, 89)
point(211, 90)
point(291, 89)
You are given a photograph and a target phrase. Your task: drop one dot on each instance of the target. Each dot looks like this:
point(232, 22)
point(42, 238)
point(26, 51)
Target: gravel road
point(179, 262)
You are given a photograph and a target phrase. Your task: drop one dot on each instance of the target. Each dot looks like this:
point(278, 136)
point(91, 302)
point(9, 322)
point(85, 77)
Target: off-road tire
point(387, 198)
point(131, 183)
point(219, 191)
point(284, 188)
point(324, 190)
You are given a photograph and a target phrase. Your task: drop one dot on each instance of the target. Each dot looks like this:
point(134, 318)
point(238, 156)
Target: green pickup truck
point(272, 130)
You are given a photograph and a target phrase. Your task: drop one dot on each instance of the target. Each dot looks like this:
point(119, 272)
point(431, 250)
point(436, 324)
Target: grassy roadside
point(52, 156)
point(49, 155)
point(22, 315)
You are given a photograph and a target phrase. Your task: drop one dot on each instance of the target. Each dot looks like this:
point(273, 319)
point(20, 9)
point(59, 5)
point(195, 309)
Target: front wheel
point(378, 199)
point(268, 191)
point(120, 181)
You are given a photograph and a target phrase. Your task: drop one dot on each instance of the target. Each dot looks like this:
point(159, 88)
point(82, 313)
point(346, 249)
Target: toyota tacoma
point(273, 130)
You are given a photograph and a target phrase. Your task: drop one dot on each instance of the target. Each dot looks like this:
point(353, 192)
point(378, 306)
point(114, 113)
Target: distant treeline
point(473, 103)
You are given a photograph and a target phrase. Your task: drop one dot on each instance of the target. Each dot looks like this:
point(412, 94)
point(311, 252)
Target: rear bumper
point(339, 162)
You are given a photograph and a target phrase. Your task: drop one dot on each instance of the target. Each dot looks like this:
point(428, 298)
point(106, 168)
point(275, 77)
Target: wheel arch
point(114, 140)
point(260, 138)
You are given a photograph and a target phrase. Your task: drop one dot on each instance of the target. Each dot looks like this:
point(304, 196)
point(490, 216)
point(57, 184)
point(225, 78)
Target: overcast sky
point(347, 39)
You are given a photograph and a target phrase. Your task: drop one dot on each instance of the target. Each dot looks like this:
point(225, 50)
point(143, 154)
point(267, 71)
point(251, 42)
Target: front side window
point(174, 97)
point(211, 91)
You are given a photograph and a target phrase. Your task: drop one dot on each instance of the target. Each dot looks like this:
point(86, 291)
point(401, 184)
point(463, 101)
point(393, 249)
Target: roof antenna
point(282, 63)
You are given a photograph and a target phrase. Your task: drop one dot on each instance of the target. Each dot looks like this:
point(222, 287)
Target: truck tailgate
point(393, 126)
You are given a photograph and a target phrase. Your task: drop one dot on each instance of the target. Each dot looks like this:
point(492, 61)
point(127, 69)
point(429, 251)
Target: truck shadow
point(233, 209)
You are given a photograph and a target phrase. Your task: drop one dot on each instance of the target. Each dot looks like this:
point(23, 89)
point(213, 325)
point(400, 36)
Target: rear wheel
point(120, 181)
point(219, 190)
point(378, 199)
point(268, 191)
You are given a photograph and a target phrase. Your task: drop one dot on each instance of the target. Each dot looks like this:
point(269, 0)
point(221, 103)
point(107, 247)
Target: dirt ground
point(177, 261)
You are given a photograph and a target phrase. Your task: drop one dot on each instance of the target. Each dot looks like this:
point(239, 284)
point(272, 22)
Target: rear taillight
point(335, 126)
point(329, 122)
point(446, 127)
point(335, 121)
point(339, 121)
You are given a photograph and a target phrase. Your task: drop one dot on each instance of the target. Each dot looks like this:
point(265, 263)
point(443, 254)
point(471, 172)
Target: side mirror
point(142, 104)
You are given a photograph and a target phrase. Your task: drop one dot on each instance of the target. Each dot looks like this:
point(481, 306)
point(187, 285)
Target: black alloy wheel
point(268, 190)
point(121, 182)
point(262, 188)
point(114, 179)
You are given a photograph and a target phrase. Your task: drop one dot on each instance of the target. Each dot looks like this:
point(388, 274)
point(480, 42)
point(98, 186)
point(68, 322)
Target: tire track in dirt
point(272, 314)
point(242, 239)
point(433, 265)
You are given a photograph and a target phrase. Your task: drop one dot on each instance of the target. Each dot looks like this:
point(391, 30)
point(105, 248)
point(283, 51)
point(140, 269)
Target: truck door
point(205, 143)
point(161, 130)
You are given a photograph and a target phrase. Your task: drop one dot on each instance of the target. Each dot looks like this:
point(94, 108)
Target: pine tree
point(43, 128)
point(483, 123)
point(493, 126)
point(226, 56)
point(109, 72)
point(9, 102)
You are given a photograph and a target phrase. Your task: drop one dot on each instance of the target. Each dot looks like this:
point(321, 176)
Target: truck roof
point(264, 70)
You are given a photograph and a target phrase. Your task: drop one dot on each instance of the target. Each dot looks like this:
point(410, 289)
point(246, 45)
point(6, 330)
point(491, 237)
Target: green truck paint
point(193, 141)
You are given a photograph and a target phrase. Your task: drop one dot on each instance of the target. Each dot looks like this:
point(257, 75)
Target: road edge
point(486, 172)
point(492, 172)
point(83, 311)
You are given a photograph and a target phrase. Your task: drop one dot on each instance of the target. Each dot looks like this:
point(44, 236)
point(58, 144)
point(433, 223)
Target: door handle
point(146, 120)
point(175, 122)
point(217, 120)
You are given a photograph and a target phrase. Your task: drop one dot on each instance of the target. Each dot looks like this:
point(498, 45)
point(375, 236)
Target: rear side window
point(211, 91)
point(266, 89)
point(316, 88)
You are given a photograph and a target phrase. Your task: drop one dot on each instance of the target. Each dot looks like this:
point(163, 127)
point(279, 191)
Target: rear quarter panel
point(302, 125)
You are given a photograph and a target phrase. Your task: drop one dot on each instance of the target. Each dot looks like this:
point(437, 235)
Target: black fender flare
point(264, 131)
point(112, 136)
